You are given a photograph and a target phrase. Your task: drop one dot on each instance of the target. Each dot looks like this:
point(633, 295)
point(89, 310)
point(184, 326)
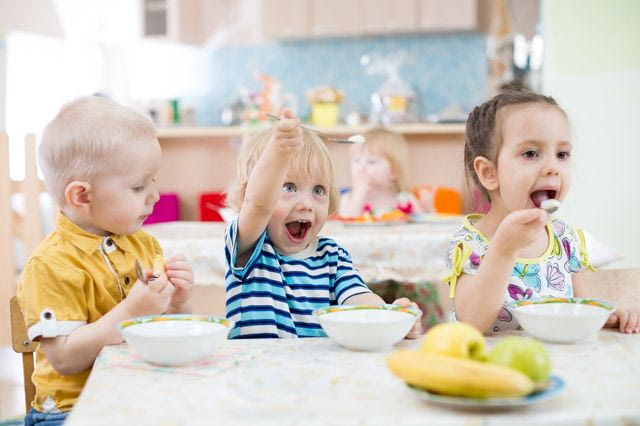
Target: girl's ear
point(486, 172)
point(78, 196)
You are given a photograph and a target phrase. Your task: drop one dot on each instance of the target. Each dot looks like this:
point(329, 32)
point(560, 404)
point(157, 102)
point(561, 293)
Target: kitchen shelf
point(179, 132)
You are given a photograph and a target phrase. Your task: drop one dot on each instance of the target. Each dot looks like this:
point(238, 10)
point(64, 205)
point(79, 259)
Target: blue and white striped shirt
point(274, 295)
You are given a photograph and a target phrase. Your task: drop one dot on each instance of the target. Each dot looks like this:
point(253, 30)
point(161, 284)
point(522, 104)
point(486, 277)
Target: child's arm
point(352, 204)
point(77, 351)
point(480, 297)
point(266, 180)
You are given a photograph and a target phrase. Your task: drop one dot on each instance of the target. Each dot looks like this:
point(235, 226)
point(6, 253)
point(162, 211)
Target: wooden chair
point(619, 286)
point(25, 227)
point(22, 344)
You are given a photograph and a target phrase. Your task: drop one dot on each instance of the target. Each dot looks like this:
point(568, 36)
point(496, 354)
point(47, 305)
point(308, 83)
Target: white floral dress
point(547, 275)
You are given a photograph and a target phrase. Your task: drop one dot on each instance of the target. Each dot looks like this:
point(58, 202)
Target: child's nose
point(551, 167)
point(304, 203)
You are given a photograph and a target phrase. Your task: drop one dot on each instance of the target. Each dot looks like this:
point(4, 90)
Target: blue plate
point(554, 387)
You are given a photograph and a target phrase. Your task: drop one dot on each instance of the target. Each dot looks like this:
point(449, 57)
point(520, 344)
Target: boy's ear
point(487, 173)
point(77, 194)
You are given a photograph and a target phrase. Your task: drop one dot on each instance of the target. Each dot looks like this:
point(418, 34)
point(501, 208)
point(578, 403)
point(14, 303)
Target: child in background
point(379, 176)
point(380, 184)
point(518, 151)
point(280, 270)
point(99, 162)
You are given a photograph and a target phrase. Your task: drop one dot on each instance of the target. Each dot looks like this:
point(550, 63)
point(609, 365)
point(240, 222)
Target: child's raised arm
point(266, 180)
point(479, 297)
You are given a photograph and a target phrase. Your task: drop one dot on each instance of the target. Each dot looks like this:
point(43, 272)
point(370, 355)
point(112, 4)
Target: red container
point(210, 203)
point(167, 209)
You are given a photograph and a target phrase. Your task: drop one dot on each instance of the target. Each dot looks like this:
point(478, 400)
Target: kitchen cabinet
point(383, 16)
point(450, 15)
point(284, 19)
point(332, 18)
point(219, 22)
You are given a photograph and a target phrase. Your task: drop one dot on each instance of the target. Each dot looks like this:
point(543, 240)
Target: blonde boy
point(280, 270)
point(99, 162)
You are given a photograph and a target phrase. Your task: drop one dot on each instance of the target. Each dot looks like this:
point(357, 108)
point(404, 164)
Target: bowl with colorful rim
point(174, 340)
point(367, 327)
point(561, 319)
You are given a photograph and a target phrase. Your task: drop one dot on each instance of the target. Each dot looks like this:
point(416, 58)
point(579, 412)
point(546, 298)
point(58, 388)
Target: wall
point(444, 69)
point(3, 82)
point(595, 76)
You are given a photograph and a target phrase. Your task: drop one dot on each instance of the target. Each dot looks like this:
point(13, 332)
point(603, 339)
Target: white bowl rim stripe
point(175, 317)
point(382, 307)
point(563, 300)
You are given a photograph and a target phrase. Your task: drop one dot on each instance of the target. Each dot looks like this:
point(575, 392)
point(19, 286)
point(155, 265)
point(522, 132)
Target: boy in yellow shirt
point(99, 162)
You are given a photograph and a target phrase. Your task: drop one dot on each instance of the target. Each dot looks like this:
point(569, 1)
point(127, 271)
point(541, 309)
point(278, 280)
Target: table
point(404, 252)
point(314, 381)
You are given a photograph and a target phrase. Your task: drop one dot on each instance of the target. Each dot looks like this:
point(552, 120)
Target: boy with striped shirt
point(278, 269)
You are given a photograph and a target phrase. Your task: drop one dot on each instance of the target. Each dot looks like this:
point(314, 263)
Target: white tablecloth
point(314, 381)
point(406, 252)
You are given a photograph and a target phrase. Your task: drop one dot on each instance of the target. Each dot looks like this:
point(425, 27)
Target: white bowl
point(367, 327)
point(173, 340)
point(561, 319)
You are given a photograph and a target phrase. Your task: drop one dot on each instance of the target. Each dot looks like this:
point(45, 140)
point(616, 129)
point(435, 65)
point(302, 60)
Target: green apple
point(522, 353)
point(455, 339)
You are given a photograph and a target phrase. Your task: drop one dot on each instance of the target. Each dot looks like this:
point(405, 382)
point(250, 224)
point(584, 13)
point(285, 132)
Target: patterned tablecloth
point(405, 252)
point(314, 381)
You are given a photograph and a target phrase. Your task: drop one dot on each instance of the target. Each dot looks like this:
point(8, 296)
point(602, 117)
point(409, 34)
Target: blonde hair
point(313, 157)
point(84, 133)
point(394, 147)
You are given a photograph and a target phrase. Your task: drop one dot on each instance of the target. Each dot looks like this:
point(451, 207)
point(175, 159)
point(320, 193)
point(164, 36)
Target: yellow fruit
point(455, 339)
point(158, 265)
point(457, 376)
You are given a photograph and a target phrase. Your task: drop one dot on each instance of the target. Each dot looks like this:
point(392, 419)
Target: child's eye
point(563, 155)
point(530, 154)
point(138, 188)
point(289, 187)
point(318, 190)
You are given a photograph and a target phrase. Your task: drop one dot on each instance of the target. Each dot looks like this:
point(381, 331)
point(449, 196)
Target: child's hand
point(628, 320)
point(287, 134)
point(518, 229)
point(180, 275)
point(416, 330)
point(149, 299)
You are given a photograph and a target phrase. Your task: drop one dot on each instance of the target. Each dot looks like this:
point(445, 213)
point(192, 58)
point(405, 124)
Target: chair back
point(618, 286)
point(21, 344)
point(26, 226)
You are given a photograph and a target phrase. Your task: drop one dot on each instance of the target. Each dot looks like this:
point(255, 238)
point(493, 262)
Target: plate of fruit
point(453, 367)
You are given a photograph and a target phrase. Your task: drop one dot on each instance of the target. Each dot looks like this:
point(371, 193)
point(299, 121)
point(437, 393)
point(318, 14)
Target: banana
point(458, 376)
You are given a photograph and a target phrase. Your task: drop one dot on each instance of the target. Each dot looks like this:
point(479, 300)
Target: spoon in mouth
point(551, 205)
point(351, 139)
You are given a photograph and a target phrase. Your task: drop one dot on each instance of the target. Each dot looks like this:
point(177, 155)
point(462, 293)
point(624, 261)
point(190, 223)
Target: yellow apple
point(455, 339)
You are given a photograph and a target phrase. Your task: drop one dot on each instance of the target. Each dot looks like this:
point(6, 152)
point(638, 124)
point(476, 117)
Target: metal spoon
point(352, 139)
point(139, 272)
point(551, 205)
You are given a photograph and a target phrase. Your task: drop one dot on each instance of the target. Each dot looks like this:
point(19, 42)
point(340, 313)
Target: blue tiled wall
point(443, 69)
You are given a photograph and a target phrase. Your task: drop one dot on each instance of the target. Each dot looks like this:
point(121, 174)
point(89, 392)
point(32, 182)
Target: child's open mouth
point(537, 197)
point(297, 230)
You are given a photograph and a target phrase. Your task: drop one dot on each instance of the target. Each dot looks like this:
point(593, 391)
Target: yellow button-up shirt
point(73, 278)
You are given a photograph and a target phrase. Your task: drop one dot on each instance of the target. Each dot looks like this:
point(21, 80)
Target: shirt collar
point(86, 241)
